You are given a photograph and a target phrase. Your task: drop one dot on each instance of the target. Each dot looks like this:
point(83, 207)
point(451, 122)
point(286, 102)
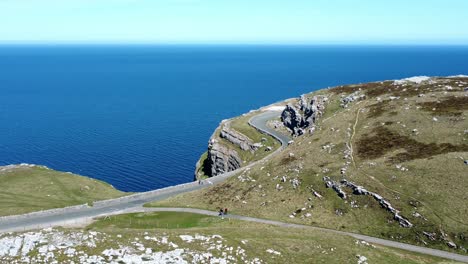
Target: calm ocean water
point(139, 117)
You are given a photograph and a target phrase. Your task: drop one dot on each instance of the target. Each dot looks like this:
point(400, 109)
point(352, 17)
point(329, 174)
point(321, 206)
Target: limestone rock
point(222, 159)
point(236, 138)
point(302, 116)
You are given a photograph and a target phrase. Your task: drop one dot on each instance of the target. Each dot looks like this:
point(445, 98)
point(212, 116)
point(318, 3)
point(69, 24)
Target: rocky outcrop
point(359, 190)
point(356, 96)
point(236, 138)
point(221, 159)
point(302, 116)
point(335, 186)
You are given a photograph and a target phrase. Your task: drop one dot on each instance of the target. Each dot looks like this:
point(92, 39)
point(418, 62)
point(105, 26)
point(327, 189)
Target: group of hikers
point(223, 211)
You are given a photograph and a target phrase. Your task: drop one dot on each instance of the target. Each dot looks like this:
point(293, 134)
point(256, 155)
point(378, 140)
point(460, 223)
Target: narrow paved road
point(134, 203)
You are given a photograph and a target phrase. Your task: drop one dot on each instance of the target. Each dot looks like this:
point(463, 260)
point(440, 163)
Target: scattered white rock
point(46, 245)
point(271, 251)
point(361, 259)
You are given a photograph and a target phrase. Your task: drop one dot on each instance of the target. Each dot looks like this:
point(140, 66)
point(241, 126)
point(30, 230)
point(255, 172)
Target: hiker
point(225, 211)
point(221, 212)
point(199, 181)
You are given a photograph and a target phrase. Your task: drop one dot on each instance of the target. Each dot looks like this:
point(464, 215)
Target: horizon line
point(78, 43)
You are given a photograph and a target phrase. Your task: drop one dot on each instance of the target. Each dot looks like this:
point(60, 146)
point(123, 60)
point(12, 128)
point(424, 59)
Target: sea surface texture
point(139, 117)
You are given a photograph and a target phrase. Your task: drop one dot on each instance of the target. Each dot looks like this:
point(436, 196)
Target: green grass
point(167, 220)
point(29, 189)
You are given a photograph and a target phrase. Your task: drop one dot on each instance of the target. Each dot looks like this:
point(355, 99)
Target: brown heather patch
point(344, 89)
point(412, 90)
point(382, 140)
point(378, 89)
point(378, 109)
point(451, 106)
point(286, 160)
point(371, 89)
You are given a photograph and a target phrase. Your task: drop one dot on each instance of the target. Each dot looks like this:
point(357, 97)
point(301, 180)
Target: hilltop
point(28, 188)
point(387, 159)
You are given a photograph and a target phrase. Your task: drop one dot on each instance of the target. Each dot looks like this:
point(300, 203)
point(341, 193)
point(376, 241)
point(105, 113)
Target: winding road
point(134, 203)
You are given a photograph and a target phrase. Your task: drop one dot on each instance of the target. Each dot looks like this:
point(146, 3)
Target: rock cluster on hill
point(302, 116)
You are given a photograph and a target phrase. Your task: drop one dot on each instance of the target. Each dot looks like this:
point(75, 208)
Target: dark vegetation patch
point(383, 140)
point(408, 90)
point(371, 89)
point(287, 160)
point(378, 89)
point(412, 90)
point(451, 106)
point(344, 89)
point(378, 109)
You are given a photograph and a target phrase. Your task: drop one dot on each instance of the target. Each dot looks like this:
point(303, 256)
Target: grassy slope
point(296, 246)
point(240, 124)
point(30, 189)
point(434, 185)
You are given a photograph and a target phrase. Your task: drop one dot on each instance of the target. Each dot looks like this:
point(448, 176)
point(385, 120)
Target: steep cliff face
point(221, 159)
point(302, 116)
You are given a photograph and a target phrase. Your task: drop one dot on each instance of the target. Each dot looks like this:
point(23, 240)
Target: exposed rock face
point(302, 116)
point(236, 138)
point(222, 159)
point(292, 119)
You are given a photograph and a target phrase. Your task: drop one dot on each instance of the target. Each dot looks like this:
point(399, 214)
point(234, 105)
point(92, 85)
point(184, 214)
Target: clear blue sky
point(235, 21)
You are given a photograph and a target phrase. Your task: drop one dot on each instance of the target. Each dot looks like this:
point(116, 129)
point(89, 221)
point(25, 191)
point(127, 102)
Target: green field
point(28, 189)
point(167, 220)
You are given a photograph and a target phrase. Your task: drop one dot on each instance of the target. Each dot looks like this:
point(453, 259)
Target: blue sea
point(139, 117)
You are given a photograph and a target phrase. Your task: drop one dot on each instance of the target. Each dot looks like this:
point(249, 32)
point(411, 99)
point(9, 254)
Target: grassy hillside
point(197, 239)
point(406, 141)
point(27, 189)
